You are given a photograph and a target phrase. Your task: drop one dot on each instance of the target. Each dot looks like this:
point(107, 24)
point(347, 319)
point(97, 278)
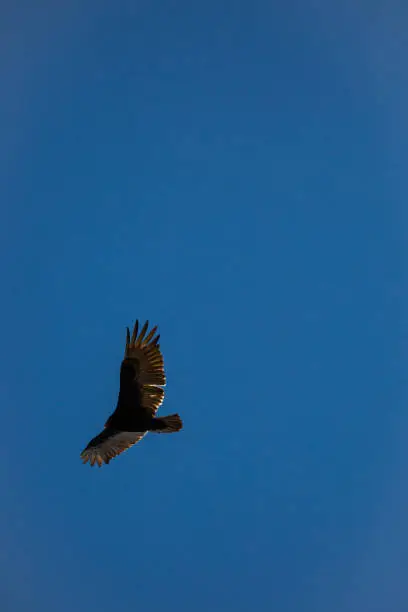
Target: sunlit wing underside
point(145, 352)
point(105, 447)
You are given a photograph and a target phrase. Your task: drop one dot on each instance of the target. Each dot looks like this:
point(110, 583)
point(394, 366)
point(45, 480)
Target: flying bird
point(141, 393)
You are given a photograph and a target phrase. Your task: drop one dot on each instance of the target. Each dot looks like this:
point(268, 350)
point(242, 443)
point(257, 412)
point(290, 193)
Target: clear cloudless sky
point(235, 172)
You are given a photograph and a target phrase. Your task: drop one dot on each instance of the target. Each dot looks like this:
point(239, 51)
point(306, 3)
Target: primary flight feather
point(141, 393)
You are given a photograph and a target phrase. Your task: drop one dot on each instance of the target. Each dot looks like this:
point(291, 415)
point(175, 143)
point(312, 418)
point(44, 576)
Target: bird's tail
point(168, 424)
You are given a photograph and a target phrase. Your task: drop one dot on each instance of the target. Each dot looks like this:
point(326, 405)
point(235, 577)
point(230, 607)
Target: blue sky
point(236, 173)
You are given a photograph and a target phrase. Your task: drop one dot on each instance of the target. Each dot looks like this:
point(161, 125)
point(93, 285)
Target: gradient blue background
point(236, 173)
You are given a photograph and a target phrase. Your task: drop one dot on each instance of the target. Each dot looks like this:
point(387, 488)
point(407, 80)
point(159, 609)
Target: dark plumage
point(140, 395)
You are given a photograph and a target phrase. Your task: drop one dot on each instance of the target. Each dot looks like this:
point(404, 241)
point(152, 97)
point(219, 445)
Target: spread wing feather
point(109, 444)
point(146, 357)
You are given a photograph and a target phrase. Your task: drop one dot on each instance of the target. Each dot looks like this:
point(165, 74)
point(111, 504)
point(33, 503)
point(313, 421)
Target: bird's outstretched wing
point(108, 444)
point(142, 369)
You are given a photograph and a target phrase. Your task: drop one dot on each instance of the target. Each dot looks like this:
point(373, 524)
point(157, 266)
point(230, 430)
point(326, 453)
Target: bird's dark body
point(129, 414)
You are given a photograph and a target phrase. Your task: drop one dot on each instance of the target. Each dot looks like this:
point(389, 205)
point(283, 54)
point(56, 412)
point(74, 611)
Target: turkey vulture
point(140, 395)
